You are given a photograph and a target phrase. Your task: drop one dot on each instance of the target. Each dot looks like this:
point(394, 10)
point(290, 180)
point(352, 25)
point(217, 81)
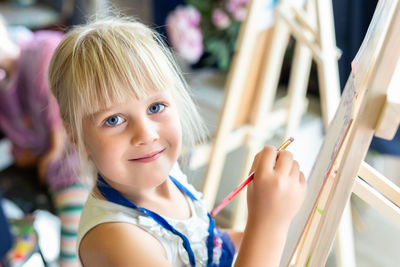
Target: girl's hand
point(273, 198)
point(278, 189)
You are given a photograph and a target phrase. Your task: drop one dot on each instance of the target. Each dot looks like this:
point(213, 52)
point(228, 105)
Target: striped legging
point(68, 202)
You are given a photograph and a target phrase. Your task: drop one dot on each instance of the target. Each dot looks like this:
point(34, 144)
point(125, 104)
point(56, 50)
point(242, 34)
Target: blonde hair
point(112, 59)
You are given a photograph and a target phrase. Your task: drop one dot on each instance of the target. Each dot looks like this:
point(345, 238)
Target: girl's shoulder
point(115, 244)
point(98, 211)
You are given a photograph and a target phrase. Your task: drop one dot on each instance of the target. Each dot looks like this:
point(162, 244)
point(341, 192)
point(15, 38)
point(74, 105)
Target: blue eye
point(156, 108)
point(114, 120)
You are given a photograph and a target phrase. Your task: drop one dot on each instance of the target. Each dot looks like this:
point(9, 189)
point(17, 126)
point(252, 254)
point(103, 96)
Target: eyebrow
point(154, 97)
point(97, 113)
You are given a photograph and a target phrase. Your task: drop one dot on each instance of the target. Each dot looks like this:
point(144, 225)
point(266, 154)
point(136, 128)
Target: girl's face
point(135, 144)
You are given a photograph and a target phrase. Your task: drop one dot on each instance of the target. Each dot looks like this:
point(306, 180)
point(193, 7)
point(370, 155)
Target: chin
point(156, 177)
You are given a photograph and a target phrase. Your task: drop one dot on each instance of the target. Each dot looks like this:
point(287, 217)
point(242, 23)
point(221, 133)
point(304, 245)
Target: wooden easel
point(370, 106)
point(253, 79)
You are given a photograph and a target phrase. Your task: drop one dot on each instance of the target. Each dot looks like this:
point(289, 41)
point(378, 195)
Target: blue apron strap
point(210, 239)
point(114, 196)
point(211, 225)
point(182, 188)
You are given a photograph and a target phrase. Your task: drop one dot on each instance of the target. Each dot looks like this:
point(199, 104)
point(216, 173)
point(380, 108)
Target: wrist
point(272, 219)
point(262, 223)
point(263, 242)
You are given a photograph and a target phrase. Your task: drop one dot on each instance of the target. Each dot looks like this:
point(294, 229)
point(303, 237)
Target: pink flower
point(184, 33)
point(237, 8)
point(220, 18)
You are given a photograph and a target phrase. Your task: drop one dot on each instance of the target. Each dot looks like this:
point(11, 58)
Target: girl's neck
point(138, 196)
point(159, 199)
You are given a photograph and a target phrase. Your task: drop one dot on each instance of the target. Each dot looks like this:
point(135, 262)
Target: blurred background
point(31, 225)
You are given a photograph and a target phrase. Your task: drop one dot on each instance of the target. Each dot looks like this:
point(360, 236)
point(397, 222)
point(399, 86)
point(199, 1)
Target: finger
point(284, 162)
point(302, 178)
point(267, 158)
point(255, 163)
point(295, 169)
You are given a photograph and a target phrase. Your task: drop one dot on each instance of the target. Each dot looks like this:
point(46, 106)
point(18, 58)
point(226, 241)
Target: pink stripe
point(66, 219)
point(68, 244)
point(71, 196)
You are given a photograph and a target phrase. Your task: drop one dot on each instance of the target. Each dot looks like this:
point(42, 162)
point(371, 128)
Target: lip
point(149, 157)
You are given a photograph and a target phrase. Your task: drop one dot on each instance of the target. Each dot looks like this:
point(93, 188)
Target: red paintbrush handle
point(229, 197)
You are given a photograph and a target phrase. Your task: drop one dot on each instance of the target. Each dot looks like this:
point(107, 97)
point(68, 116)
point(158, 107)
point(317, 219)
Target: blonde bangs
point(111, 66)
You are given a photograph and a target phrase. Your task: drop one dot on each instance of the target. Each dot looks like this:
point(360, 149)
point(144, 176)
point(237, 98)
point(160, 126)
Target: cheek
point(104, 156)
point(97, 150)
point(175, 131)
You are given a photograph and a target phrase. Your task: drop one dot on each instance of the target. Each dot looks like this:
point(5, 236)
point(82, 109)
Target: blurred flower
point(220, 19)
point(184, 33)
point(213, 23)
point(237, 8)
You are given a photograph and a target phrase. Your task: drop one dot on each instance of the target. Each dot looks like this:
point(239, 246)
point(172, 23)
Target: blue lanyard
point(114, 196)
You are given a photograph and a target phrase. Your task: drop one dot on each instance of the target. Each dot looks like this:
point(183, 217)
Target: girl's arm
point(236, 236)
point(274, 197)
point(119, 245)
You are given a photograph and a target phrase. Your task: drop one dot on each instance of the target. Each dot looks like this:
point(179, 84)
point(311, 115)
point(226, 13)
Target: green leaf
point(219, 53)
point(203, 6)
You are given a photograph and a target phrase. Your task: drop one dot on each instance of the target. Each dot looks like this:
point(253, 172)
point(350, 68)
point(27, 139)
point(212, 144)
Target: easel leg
point(269, 78)
point(328, 72)
point(328, 76)
point(299, 77)
point(235, 85)
point(344, 243)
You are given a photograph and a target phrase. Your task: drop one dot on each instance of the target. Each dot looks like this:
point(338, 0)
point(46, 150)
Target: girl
point(126, 109)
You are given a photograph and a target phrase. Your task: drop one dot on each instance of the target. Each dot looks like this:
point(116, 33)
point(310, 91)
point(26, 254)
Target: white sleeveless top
point(195, 228)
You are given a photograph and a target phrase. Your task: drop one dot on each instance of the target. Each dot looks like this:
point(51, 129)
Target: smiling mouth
point(149, 157)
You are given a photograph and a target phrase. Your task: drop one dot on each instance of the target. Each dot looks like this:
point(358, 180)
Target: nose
point(144, 132)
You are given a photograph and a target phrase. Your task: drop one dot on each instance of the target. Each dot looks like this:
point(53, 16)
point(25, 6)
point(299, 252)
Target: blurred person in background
point(29, 118)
